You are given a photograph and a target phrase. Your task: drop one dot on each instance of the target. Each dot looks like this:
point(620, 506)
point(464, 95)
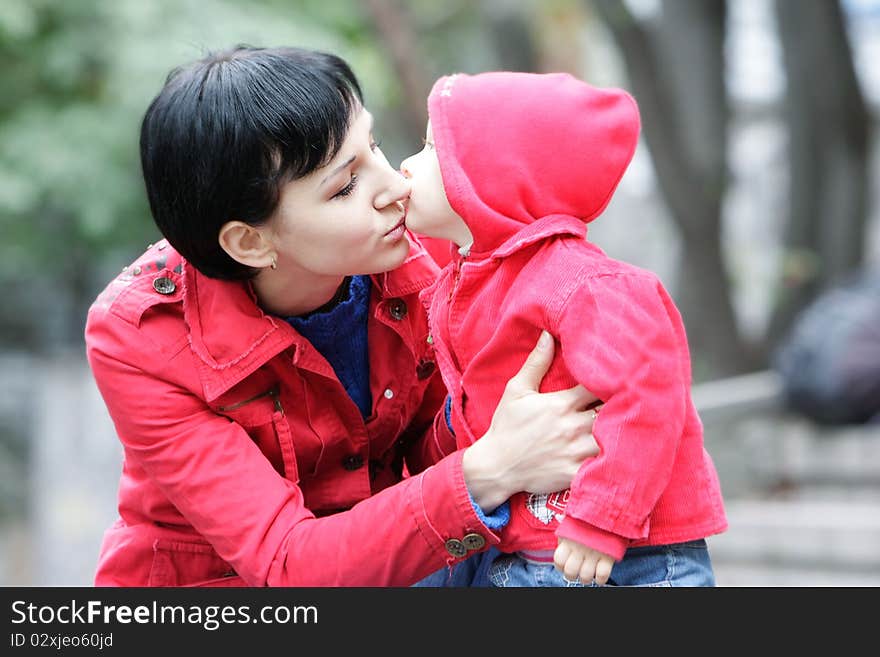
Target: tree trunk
point(676, 69)
point(511, 34)
point(828, 155)
point(394, 27)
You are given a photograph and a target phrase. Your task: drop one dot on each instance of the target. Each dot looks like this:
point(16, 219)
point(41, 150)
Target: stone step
point(760, 448)
point(838, 536)
point(750, 575)
point(802, 453)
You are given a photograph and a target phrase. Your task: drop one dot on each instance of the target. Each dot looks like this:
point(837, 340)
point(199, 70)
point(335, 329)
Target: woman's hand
point(536, 441)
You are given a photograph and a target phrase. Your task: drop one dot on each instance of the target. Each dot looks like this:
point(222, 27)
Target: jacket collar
point(232, 337)
point(227, 331)
point(416, 273)
point(549, 226)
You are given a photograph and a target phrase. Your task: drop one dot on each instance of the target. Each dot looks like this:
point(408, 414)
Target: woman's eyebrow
point(338, 169)
point(349, 160)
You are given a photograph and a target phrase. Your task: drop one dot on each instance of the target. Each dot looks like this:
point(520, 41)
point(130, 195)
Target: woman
point(268, 366)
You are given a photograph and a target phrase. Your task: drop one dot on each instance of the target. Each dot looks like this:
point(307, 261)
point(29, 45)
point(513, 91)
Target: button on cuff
point(455, 548)
point(473, 541)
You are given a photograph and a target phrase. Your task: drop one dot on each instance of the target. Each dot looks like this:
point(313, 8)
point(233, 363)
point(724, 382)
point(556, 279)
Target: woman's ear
point(247, 244)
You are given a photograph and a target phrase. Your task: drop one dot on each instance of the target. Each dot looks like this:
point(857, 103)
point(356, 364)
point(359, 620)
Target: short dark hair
point(226, 132)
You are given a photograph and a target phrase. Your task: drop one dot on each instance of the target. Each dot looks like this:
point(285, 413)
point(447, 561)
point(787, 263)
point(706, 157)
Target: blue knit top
point(339, 333)
point(338, 330)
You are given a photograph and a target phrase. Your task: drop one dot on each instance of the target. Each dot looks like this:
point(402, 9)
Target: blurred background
point(753, 194)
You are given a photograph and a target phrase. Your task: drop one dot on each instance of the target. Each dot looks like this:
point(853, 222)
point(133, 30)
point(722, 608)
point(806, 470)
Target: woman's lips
point(398, 229)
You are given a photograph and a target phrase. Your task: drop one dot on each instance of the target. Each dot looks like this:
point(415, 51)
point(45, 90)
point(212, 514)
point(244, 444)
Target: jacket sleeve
point(622, 338)
point(217, 478)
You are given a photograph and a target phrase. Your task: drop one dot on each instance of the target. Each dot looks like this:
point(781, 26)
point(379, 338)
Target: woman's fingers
point(577, 398)
point(536, 366)
point(593, 414)
point(538, 362)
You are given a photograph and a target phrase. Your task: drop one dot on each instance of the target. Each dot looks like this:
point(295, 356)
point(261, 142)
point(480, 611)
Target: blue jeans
point(679, 564)
point(472, 572)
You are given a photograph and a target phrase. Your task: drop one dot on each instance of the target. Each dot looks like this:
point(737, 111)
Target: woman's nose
point(398, 190)
point(404, 169)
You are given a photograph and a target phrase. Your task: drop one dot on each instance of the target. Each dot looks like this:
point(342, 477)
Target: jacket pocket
point(190, 563)
point(262, 416)
point(285, 444)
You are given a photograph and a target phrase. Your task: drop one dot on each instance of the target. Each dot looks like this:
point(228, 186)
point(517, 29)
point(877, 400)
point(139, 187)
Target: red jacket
point(240, 442)
point(526, 161)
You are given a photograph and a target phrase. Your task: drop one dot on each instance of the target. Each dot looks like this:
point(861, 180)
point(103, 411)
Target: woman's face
point(346, 217)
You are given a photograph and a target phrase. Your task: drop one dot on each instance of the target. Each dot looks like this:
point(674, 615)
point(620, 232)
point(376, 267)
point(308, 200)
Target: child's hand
point(577, 561)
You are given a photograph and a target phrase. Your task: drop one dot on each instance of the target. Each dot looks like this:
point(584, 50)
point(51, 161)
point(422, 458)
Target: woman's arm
point(219, 481)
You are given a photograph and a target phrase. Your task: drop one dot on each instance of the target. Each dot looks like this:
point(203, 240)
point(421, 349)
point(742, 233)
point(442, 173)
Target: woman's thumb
point(537, 364)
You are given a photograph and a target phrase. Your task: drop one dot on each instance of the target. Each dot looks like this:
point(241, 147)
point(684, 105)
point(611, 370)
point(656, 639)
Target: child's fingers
point(560, 556)
point(567, 561)
point(587, 572)
point(603, 570)
point(573, 567)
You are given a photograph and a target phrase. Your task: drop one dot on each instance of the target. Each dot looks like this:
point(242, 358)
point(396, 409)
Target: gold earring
point(274, 264)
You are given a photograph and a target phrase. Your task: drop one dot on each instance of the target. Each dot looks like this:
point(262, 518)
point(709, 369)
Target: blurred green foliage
point(76, 78)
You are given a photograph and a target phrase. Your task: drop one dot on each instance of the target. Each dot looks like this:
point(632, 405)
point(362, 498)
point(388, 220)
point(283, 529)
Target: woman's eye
point(375, 144)
point(348, 189)
point(427, 143)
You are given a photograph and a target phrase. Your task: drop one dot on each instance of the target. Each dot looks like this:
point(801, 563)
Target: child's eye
point(427, 143)
point(348, 189)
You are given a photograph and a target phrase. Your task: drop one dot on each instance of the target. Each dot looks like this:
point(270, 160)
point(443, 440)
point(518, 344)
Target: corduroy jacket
point(527, 161)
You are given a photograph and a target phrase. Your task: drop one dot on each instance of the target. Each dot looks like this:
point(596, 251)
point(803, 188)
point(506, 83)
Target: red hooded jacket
point(527, 160)
point(240, 443)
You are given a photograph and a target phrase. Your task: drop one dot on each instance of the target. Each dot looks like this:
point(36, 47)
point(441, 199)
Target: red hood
point(517, 147)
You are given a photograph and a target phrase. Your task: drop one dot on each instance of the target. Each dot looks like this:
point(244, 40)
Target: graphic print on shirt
point(548, 507)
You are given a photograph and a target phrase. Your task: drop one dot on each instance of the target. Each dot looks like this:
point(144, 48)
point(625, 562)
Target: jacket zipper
point(274, 393)
point(455, 279)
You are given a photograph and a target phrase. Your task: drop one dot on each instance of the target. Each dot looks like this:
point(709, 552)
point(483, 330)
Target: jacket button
point(474, 542)
point(456, 548)
point(425, 369)
point(397, 308)
point(164, 285)
point(353, 462)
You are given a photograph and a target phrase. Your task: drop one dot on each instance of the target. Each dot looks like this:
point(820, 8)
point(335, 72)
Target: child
point(514, 166)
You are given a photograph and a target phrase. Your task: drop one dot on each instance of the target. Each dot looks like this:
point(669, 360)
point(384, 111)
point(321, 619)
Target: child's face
point(428, 211)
